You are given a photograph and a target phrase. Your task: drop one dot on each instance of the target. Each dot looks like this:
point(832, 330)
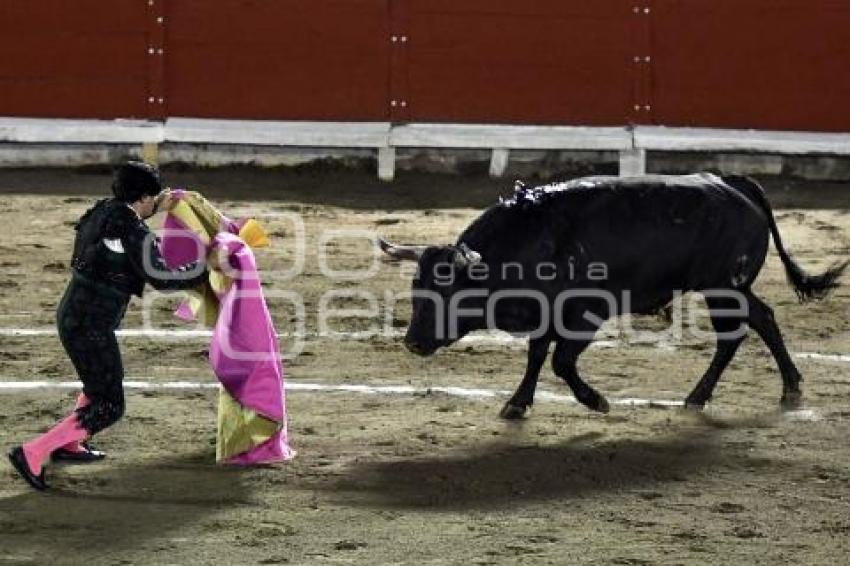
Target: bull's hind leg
point(731, 331)
point(564, 363)
point(762, 321)
point(523, 398)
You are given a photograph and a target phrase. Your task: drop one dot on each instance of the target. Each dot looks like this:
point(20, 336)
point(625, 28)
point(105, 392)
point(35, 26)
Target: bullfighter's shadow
point(116, 508)
point(501, 475)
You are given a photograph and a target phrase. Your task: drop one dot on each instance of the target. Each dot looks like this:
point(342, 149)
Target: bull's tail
point(807, 286)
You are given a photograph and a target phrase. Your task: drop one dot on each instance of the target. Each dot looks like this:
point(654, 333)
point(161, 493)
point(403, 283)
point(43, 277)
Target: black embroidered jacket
point(114, 246)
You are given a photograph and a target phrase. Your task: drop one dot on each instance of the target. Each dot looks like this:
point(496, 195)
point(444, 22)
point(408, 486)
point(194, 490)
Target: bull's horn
point(466, 256)
point(396, 251)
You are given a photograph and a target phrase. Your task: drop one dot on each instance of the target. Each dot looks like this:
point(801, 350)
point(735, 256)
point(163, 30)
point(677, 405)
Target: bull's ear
point(400, 252)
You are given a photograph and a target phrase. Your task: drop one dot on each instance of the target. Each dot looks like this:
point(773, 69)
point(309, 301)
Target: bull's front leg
point(523, 398)
point(564, 363)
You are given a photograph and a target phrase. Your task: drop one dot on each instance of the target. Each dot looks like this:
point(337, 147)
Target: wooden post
point(499, 162)
point(632, 162)
point(386, 163)
point(150, 153)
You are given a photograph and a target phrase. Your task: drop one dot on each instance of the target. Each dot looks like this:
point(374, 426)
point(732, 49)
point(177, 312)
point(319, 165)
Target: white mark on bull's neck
point(525, 195)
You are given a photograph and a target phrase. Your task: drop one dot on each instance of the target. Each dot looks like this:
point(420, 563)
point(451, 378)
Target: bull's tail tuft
point(810, 287)
point(807, 287)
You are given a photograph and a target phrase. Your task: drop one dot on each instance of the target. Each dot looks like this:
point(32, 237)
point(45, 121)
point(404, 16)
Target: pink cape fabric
point(244, 351)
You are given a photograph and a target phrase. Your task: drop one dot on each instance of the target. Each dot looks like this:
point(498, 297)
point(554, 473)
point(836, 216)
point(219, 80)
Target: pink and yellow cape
point(244, 351)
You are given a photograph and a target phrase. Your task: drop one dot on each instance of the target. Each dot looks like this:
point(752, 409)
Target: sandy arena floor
point(426, 478)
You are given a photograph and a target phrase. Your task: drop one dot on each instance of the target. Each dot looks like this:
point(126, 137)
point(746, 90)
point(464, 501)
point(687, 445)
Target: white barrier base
point(631, 142)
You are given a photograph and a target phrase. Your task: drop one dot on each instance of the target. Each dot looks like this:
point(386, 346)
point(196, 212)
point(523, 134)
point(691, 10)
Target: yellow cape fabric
point(205, 221)
point(239, 429)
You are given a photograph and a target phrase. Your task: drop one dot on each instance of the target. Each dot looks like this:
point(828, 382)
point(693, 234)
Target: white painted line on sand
point(130, 332)
point(11, 385)
point(826, 357)
point(491, 339)
point(802, 415)
point(23, 385)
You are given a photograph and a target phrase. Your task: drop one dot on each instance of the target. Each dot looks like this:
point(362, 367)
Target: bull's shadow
point(501, 475)
point(113, 510)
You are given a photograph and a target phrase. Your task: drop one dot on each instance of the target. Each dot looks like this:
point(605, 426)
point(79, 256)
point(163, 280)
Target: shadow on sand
point(501, 475)
point(112, 510)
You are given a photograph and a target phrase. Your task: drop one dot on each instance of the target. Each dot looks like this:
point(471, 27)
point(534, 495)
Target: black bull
point(563, 258)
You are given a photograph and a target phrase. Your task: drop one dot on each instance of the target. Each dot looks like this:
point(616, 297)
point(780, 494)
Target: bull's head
point(443, 272)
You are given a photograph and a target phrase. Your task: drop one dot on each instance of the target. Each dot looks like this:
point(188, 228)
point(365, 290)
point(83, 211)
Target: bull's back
point(652, 233)
point(672, 232)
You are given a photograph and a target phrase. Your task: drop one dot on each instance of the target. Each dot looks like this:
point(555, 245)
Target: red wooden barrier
point(281, 59)
point(771, 64)
point(536, 61)
point(80, 59)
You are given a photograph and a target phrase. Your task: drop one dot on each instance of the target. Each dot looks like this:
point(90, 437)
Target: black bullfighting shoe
point(19, 461)
point(87, 454)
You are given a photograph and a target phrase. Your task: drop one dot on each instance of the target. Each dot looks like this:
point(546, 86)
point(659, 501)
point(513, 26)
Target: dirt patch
point(428, 478)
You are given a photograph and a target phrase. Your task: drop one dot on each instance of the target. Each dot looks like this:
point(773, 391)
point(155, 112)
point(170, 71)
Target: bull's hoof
point(695, 402)
point(591, 399)
point(601, 405)
point(596, 402)
point(513, 412)
point(791, 400)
